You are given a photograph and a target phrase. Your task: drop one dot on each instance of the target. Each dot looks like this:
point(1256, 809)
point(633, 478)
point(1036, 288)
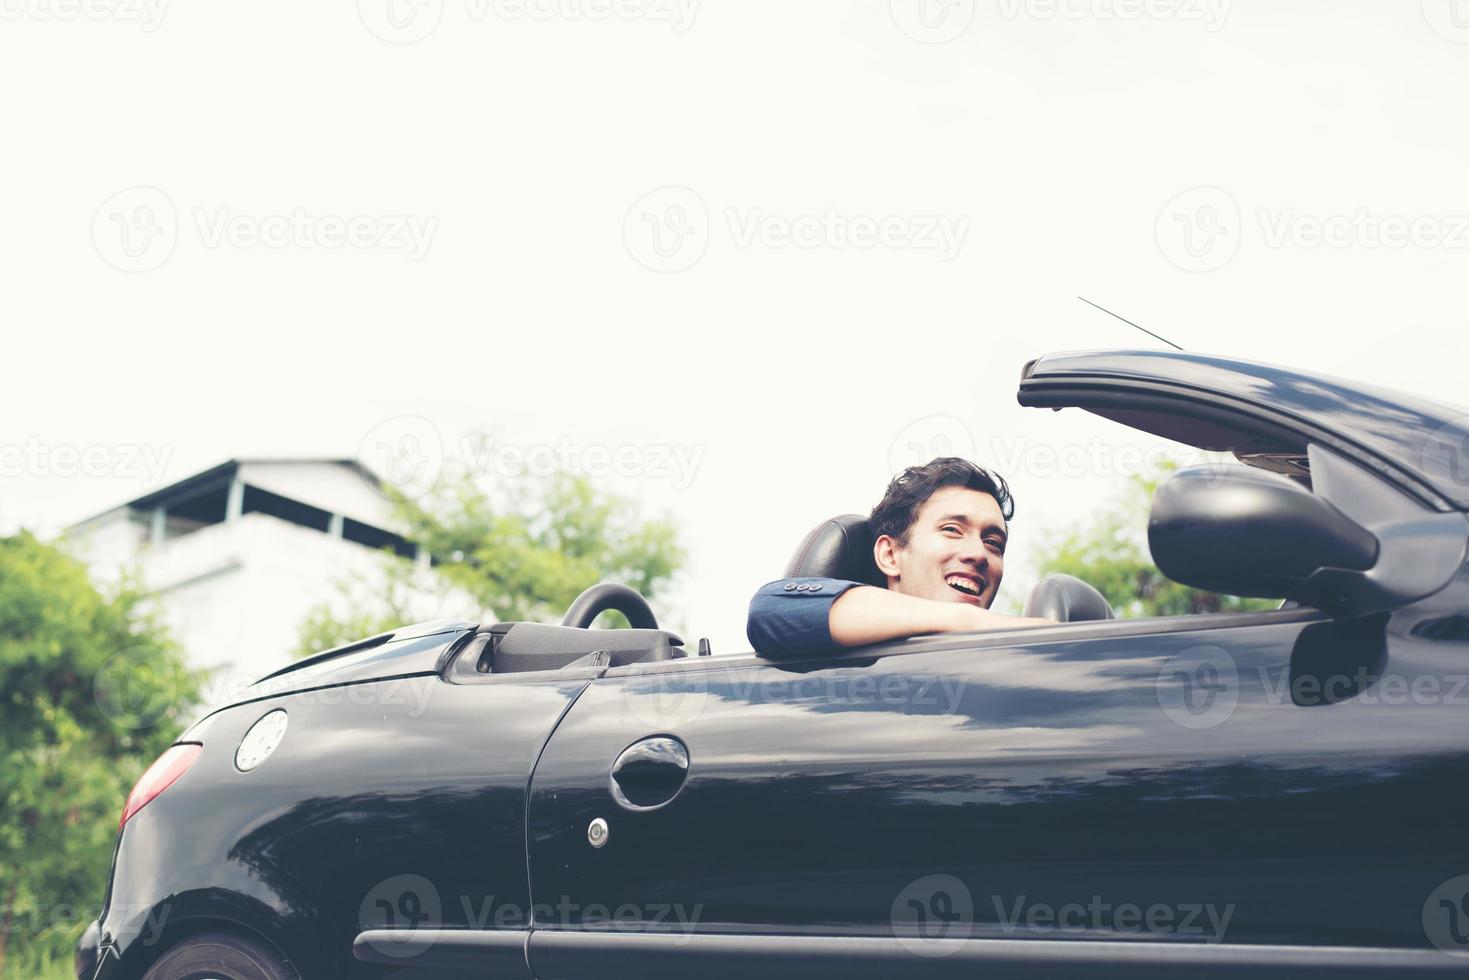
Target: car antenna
point(1131, 324)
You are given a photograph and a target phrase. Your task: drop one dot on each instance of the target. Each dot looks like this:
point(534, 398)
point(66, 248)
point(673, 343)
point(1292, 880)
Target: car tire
point(222, 956)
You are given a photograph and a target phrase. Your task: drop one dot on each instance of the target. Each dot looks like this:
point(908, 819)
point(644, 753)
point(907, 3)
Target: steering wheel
point(609, 595)
point(1066, 599)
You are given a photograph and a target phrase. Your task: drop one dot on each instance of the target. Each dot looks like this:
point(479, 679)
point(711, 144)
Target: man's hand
point(870, 615)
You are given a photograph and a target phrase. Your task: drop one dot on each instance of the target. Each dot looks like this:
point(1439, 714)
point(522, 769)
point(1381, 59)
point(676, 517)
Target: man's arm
point(868, 614)
point(795, 616)
point(791, 616)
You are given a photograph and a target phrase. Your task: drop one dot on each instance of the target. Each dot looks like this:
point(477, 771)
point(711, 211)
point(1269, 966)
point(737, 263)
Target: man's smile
point(968, 585)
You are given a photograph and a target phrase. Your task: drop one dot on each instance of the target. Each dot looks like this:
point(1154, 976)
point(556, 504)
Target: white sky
point(1051, 138)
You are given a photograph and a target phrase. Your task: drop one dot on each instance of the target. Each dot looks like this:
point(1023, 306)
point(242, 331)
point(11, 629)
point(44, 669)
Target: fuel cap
point(260, 741)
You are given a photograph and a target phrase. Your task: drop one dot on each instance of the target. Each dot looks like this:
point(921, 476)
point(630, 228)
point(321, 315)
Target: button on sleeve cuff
point(792, 616)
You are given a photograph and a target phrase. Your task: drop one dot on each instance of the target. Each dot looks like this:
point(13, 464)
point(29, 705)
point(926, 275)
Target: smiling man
point(939, 539)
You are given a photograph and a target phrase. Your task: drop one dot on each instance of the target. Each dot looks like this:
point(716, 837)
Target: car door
point(1157, 788)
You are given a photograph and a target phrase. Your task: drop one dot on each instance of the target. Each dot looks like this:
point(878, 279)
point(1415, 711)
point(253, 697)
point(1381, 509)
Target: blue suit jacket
point(792, 616)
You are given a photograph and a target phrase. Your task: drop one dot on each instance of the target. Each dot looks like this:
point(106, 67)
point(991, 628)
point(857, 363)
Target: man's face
point(955, 550)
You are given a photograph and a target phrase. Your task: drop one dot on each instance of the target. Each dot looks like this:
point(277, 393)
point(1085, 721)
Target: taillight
point(172, 764)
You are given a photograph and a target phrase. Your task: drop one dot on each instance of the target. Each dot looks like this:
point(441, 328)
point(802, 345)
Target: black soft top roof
point(1421, 444)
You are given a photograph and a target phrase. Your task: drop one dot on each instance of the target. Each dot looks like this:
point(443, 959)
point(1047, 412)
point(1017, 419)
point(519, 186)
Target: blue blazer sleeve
point(792, 616)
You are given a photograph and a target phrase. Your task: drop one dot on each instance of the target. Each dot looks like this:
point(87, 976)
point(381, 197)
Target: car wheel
point(221, 956)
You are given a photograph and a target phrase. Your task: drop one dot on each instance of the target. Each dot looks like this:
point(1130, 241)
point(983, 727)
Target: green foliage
point(522, 554)
point(91, 691)
point(1110, 552)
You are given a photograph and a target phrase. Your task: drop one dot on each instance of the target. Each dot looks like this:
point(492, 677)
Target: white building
point(239, 554)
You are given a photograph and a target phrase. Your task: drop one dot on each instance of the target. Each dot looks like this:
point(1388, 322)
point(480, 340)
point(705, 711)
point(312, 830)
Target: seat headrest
point(838, 548)
point(1067, 599)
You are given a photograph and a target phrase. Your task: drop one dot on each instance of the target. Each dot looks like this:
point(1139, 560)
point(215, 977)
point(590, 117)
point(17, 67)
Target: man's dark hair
point(895, 513)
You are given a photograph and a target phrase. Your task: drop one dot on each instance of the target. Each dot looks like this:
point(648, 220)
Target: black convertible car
point(1278, 793)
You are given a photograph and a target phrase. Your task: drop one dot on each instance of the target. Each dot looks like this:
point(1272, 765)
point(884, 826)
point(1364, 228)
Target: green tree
point(1109, 551)
point(92, 690)
point(522, 553)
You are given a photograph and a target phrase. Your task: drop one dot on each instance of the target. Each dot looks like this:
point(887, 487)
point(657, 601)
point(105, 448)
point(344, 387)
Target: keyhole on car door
point(649, 773)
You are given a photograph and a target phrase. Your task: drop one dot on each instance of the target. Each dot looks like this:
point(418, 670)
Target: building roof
point(225, 472)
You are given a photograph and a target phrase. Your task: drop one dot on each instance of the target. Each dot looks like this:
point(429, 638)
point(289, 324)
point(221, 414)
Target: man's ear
point(885, 553)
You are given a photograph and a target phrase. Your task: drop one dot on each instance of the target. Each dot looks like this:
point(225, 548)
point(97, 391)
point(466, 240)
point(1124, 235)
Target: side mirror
point(1248, 532)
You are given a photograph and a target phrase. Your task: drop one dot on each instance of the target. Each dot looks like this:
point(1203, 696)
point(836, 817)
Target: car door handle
point(649, 773)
